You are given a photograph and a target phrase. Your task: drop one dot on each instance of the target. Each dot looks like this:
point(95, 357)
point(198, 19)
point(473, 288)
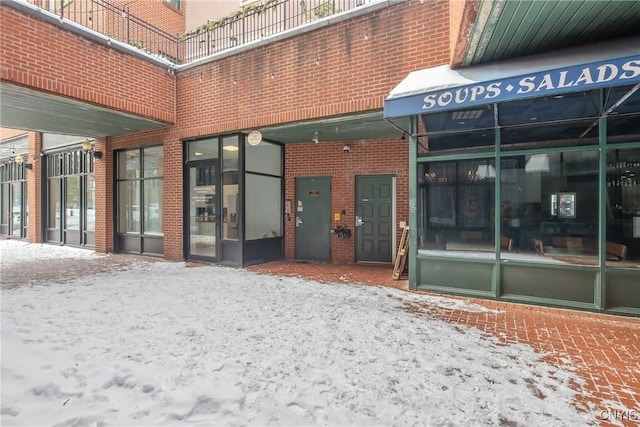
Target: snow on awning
point(440, 88)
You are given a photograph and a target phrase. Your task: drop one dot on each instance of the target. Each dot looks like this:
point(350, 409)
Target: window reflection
point(548, 210)
point(549, 206)
point(263, 212)
point(230, 206)
point(623, 205)
point(458, 197)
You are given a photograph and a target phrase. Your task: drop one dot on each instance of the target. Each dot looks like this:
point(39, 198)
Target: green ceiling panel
point(510, 28)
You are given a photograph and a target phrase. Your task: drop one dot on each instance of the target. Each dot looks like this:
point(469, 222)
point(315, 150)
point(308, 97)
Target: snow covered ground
point(165, 344)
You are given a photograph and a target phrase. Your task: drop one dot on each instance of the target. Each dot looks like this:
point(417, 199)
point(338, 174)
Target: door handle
point(359, 221)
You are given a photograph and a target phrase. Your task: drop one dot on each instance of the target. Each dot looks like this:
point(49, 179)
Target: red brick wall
point(103, 174)
point(463, 17)
point(379, 157)
point(45, 57)
point(157, 13)
point(34, 228)
point(354, 73)
point(358, 62)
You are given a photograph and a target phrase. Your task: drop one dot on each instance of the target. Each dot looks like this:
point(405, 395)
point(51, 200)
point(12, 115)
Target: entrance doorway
point(203, 234)
point(313, 218)
point(374, 218)
point(69, 199)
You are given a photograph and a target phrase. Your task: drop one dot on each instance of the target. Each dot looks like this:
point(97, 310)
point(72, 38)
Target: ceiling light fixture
point(21, 161)
point(88, 147)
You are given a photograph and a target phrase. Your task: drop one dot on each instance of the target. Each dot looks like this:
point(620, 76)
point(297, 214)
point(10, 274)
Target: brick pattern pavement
point(603, 350)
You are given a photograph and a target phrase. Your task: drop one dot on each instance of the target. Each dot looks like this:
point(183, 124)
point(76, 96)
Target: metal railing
point(250, 23)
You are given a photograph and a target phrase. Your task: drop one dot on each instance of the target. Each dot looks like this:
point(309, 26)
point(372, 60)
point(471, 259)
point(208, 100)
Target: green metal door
point(374, 218)
point(313, 218)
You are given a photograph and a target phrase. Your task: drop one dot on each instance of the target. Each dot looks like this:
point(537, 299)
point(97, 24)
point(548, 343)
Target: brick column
point(172, 209)
point(34, 186)
point(103, 173)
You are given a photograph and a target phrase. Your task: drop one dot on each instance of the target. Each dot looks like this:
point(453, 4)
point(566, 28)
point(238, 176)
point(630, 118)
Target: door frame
point(328, 180)
point(186, 191)
point(394, 233)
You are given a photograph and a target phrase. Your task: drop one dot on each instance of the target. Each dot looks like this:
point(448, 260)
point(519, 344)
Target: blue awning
point(569, 70)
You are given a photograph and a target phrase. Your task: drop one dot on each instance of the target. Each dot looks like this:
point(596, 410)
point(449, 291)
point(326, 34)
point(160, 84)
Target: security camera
point(346, 149)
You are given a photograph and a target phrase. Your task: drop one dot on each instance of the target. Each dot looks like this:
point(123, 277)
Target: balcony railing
point(250, 23)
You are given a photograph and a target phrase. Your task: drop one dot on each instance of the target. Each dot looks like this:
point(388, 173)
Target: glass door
point(16, 211)
point(72, 210)
point(203, 212)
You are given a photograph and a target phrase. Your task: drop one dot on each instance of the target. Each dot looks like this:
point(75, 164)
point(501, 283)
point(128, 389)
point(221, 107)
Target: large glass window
point(549, 206)
point(263, 158)
point(152, 203)
point(140, 194)
point(263, 209)
point(263, 194)
point(53, 219)
point(72, 203)
point(623, 207)
point(13, 200)
point(129, 207)
point(458, 199)
point(16, 192)
point(5, 212)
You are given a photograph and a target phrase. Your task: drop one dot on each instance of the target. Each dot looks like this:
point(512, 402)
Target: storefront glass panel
point(230, 206)
point(549, 207)
point(16, 203)
point(153, 162)
point(140, 200)
point(152, 206)
point(263, 158)
point(53, 219)
point(204, 149)
point(129, 207)
point(129, 164)
point(90, 201)
point(623, 208)
point(72, 205)
point(263, 209)
point(230, 150)
point(458, 199)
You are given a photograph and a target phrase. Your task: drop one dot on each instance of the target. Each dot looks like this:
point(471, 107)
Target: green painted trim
point(623, 311)
point(413, 203)
point(459, 156)
point(497, 197)
point(452, 259)
point(508, 262)
point(623, 145)
point(553, 266)
point(490, 155)
point(600, 288)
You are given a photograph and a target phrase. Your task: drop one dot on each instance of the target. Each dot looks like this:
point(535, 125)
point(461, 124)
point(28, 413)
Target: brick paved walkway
point(603, 350)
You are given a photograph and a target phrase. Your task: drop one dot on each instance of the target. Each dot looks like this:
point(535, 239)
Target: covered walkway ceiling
point(28, 109)
point(502, 29)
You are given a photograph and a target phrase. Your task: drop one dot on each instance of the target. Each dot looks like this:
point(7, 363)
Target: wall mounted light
point(88, 147)
point(315, 137)
point(21, 161)
point(346, 149)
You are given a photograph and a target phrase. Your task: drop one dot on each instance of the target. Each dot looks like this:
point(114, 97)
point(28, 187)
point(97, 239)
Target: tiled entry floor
point(603, 350)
